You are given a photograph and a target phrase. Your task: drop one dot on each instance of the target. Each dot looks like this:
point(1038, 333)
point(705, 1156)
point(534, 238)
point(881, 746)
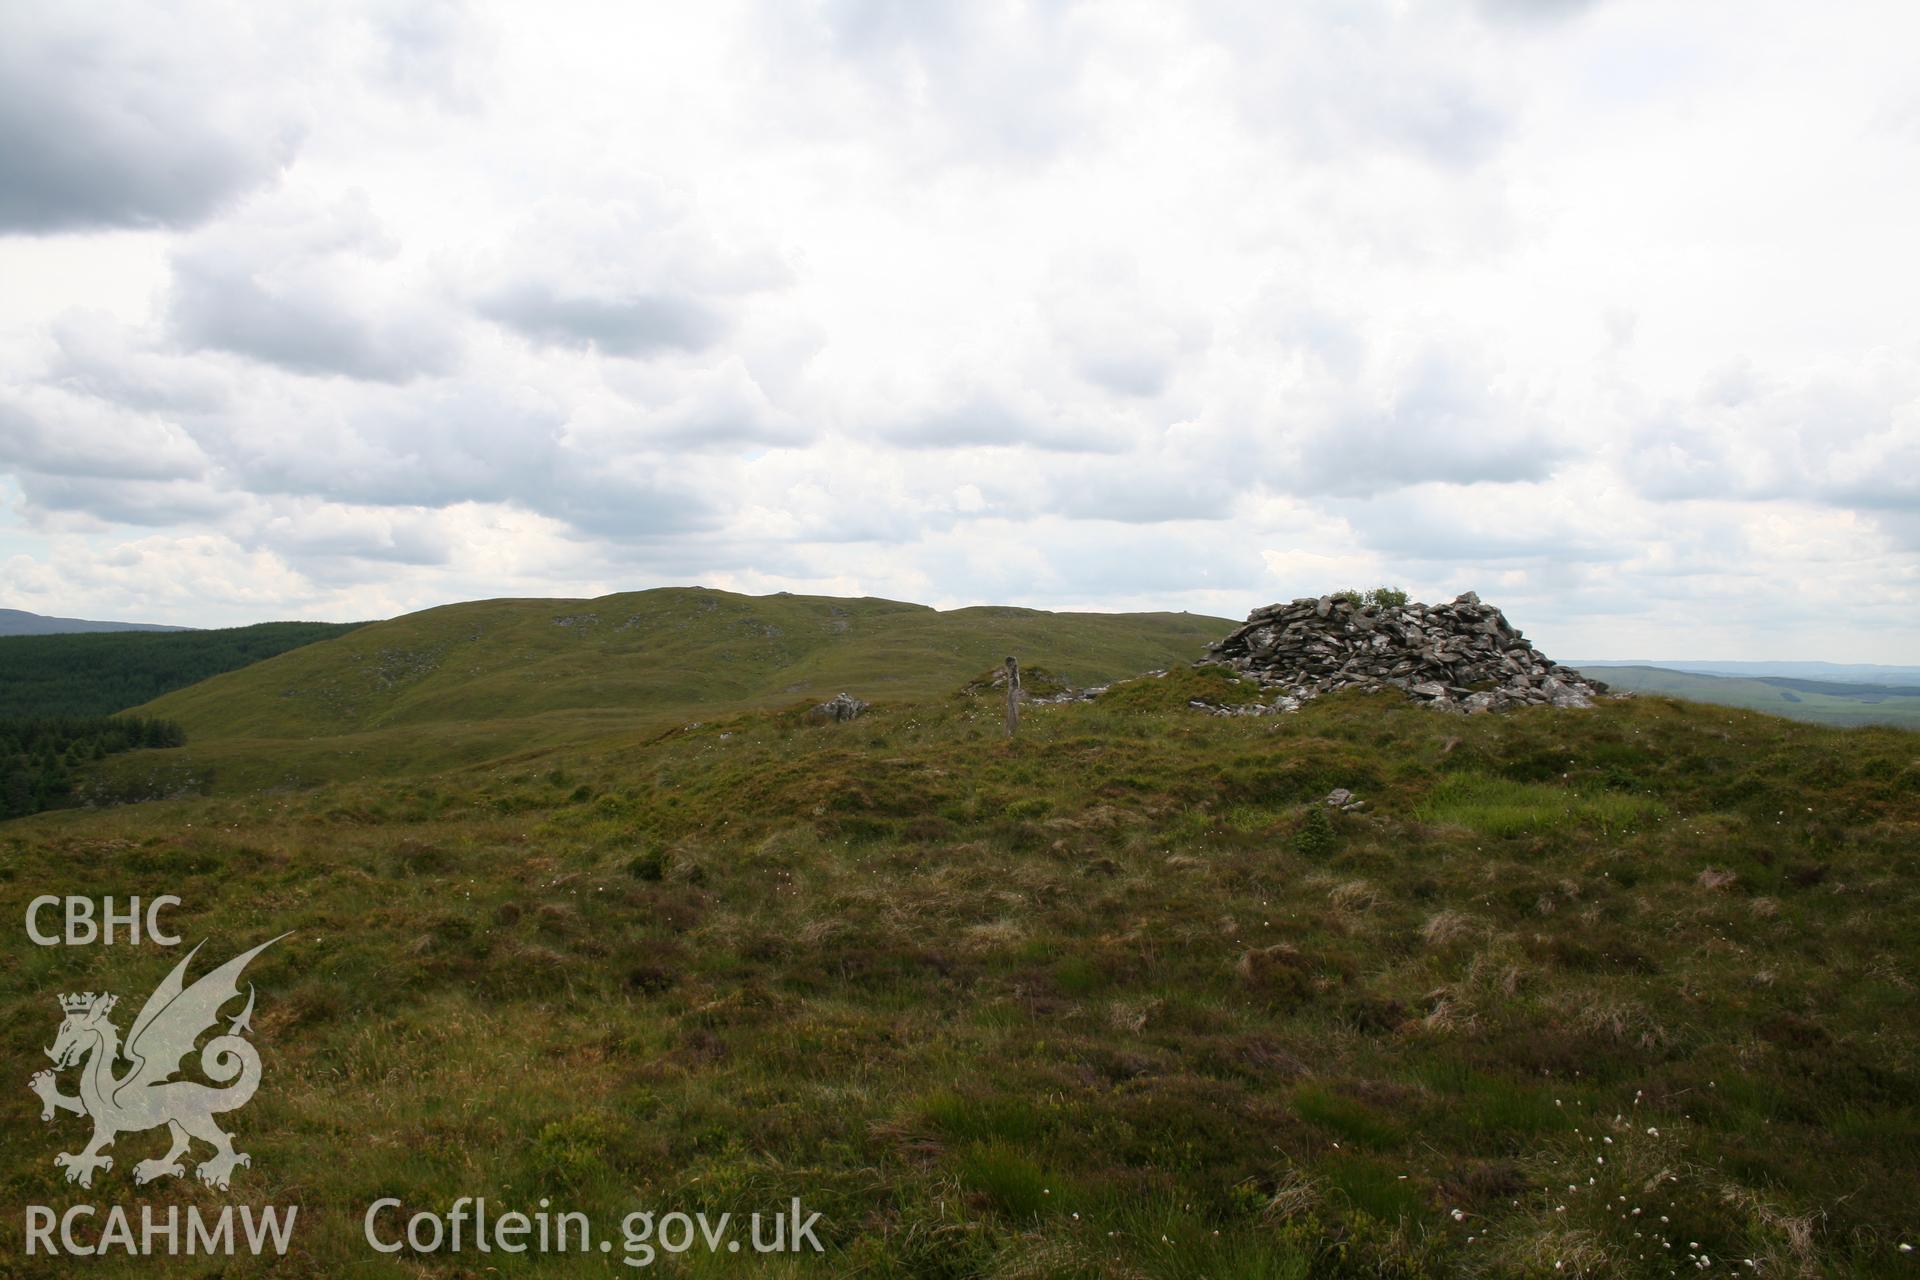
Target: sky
point(1602, 308)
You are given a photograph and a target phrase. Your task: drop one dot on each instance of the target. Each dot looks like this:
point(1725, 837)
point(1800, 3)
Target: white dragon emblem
point(147, 1095)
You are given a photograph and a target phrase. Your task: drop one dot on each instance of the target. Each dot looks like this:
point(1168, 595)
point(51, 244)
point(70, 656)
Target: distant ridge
point(1857, 672)
point(1830, 702)
point(18, 622)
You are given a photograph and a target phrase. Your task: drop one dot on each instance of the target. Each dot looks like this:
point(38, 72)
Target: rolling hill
point(673, 649)
point(468, 683)
point(1603, 992)
point(1838, 672)
point(18, 622)
point(1830, 702)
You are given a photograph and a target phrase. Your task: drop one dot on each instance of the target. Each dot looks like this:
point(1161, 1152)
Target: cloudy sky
point(1607, 310)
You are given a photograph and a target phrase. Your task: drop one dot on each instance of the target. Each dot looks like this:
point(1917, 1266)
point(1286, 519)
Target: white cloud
point(1591, 306)
point(312, 288)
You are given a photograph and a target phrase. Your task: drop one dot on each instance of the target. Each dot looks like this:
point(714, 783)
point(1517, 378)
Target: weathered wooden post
point(1013, 695)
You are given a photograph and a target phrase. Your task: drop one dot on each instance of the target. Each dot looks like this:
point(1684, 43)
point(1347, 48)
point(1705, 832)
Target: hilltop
point(472, 682)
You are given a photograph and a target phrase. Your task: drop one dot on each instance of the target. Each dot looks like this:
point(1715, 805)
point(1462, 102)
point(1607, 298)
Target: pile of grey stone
point(837, 709)
point(1458, 656)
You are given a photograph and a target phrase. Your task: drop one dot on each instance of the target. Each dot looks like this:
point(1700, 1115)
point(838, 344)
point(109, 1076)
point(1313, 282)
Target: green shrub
point(1315, 837)
point(1378, 598)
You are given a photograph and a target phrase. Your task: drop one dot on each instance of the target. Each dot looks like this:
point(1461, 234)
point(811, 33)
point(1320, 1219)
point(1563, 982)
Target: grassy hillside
point(490, 679)
point(1816, 701)
point(99, 673)
point(672, 648)
point(1591, 993)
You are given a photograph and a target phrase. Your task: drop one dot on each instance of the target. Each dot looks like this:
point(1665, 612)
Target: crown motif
point(81, 1002)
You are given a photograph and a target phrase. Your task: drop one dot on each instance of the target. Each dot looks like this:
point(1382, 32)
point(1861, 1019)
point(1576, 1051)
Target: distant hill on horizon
point(1846, 672)
point(1837, 703)
point(18, 622)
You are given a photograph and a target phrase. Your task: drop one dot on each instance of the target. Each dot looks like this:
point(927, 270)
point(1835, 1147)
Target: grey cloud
point(597, 501)
point(977, 82)
point(434, 445)
point(57, 435)
point(724, 409)
point(847, 510)
point(1839, 438)
point(984, 420)
point(639, 276)
point(1448, 123)
point(1444, 525)
point(434, 49)
point(1534, 12)
point(98, 357)
point(1375, 78)
point(1087, 561)
point(1142, 490)
point(426, 445)
point(1115, 331)
point(1438, 426)
point(219, 301)
point(1127, 373)
point(120, 500)
point(631, 325)
point(334, 537)
point(106, 122)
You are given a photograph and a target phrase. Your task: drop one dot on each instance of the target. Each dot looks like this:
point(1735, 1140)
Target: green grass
point(1496, 806)
point(1089, 1003)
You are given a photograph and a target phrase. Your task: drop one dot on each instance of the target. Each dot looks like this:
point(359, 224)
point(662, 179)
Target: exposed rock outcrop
point(1461, 656)
point(842, 706)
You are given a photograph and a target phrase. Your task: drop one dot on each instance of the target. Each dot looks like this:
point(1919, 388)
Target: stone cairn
point(837, 709)
point(1459, 656)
